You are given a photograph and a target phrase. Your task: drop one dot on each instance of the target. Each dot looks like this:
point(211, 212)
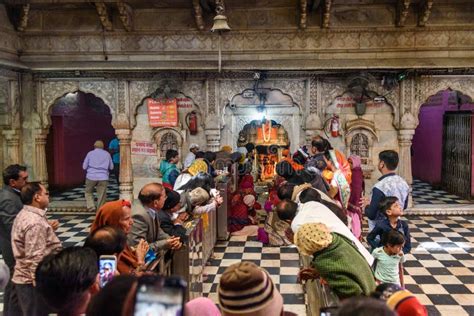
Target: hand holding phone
point(107, 268)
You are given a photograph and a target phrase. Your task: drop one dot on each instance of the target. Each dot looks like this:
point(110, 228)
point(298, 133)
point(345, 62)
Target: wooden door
point(457, 153)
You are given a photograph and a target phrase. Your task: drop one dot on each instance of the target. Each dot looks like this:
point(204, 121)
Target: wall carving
point(53, 90)
point(167, 138)
point(359, 138)
point(296, 89)
point(270, 41)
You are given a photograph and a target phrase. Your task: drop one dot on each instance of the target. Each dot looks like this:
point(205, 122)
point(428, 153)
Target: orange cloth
point(110, 214)
point(344, 166)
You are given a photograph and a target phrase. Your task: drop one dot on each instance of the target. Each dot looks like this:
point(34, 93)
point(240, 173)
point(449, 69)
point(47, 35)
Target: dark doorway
point(78, 120)
point(457, 153)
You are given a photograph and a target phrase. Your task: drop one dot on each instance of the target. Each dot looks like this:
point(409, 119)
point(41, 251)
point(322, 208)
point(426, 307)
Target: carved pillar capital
point(126, 177)
point(213, 137)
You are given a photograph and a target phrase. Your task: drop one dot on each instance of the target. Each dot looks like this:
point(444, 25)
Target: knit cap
point(312, 237)
point(198, 196)
point(406, 304)
point(249, 200)
point(246, 289)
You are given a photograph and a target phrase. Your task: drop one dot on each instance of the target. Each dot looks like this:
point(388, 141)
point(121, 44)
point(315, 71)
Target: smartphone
point(160, 296)
point(328, 311)
point(107, 268)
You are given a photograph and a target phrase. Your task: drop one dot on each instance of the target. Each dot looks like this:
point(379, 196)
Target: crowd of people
point(317, 193)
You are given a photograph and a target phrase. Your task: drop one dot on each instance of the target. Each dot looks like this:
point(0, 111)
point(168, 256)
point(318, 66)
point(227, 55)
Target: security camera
point(232, 105)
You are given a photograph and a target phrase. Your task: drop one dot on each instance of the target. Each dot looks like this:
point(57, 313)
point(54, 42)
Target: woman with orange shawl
point(338, 172)
point(118, 214)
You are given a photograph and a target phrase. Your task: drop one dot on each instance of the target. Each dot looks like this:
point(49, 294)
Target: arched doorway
point(442, 150)
point(77, 120)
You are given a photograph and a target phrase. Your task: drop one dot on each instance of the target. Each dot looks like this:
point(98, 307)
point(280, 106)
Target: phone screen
point(107, 267)
point(159, 299)
point(328, 311)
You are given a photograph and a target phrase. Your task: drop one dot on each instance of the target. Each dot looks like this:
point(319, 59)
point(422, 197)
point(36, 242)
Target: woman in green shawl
point(335, 259)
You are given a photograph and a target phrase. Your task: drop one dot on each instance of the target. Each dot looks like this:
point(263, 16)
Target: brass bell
point(220, 24)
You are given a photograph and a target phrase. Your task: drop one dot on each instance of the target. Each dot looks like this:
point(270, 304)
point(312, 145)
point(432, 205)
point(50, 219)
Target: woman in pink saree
point(357, 190)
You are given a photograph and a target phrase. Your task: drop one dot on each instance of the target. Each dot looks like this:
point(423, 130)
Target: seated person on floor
point(171, 221)
point(389, 257)
point(335, 260)
point(239, 213)
point(392, 210)
point(314, 212)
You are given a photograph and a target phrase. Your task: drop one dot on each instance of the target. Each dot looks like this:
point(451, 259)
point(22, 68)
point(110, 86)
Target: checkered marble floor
point(77, 194)
point(440, 269)
point(423, 193)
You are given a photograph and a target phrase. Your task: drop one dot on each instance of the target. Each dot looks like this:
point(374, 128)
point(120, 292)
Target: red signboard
point(162, 112)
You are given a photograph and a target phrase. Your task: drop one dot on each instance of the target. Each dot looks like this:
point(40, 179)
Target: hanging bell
point(220, 24)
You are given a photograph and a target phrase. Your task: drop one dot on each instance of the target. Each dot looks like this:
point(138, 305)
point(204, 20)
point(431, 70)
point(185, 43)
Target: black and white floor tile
point(424, 193)
point(77, 194)
point(440, 269)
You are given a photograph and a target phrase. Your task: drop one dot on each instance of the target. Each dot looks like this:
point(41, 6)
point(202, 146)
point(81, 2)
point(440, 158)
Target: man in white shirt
point(193, 149)
point(315, 212)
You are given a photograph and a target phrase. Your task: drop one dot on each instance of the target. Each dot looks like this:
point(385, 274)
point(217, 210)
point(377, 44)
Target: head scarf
point(312, 237)
point(198, 165)
point(201, 306)
point(406, 304)
point(226, 148)
point(192, 146)
point(249, 200)
point(109, 214)
point(356, 161)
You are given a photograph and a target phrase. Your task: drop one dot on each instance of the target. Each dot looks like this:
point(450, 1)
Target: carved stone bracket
point(403, 7)
point(425, 12)
point(24, 15)
point(198, 15)
point(303, 13)
point(126, 14)
point(326, 13)
point(51, 91)
point(126, 176)
point(104, 16)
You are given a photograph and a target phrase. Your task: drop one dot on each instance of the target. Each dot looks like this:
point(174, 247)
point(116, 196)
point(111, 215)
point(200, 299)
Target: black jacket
point(10, 206)
point(169, 227)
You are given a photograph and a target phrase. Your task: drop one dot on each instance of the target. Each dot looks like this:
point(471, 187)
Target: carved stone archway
point(51, 91)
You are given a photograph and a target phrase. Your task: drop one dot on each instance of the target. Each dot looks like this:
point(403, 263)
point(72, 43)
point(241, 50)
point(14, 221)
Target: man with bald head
point(146, 224)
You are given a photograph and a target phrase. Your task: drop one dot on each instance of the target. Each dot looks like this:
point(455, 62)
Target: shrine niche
point(359, 138)
point(269, 139)
point(168, 138)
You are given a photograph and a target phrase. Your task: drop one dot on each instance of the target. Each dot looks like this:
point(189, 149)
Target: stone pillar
point(405, 137)
point(12, 140)
point(213, 137)
point(41, 169)
point(126, 176)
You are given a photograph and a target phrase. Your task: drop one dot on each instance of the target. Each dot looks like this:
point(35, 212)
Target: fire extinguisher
point(334, 126)
point(192, 122)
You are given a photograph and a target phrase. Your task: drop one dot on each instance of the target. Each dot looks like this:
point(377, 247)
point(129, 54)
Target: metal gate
point(457, 153)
